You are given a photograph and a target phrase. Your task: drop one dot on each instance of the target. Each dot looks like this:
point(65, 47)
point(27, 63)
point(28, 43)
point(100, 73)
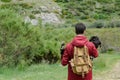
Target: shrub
point(26, 5)
point(97, 24)
point(100, 16)
point(110, 40)
point(23, 44)
point(104, 1)
point(114, 23)
point(19, 41)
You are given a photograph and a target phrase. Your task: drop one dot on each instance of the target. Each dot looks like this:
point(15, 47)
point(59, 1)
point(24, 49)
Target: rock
point(34, 22)
point(38, 16)
point(49, 18)
point(57, 9)
point(44, 8)
point(27, 19)
point(47, 13)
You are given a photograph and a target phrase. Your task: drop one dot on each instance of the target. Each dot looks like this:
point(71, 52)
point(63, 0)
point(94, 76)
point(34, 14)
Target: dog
point(96, 41)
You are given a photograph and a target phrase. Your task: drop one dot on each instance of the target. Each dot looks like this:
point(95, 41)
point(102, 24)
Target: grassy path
point(43, 71)
point(113, 74)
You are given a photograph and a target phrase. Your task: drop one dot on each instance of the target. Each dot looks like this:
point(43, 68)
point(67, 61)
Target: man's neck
point(80, 34)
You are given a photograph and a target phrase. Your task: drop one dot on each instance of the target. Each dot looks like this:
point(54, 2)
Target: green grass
point(105, 62)
point(35, 72)
point(55, 71)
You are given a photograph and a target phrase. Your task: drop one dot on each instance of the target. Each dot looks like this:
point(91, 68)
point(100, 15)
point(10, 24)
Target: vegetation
point(105, 62)
point(5, 0)
point(22, 44)
point(101, 9)
point(90, 11)
point(17, 39)
point(102, 64)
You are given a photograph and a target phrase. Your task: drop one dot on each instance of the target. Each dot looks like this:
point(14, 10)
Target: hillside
point(33, 10)
point(105, 13)
point(90, 9)
point(94, 13)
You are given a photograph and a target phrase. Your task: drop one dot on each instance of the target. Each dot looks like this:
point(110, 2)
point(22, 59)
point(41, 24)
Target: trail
point(114, 74)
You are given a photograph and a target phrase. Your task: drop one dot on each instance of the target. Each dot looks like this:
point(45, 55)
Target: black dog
point(94, 39)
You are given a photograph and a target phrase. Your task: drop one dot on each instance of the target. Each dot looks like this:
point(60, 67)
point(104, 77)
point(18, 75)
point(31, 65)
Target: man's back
point(78, 41)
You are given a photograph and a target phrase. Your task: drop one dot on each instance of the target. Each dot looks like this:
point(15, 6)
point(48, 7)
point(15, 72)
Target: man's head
point(80, 28)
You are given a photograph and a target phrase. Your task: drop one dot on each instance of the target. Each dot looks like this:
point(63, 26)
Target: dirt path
point(114, 74)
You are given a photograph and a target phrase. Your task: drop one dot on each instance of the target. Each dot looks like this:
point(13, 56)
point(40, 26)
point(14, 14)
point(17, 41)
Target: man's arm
point(65, 56)
point(92, 50)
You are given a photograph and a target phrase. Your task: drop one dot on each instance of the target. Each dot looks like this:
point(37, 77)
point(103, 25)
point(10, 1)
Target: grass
point(105, 62)
point(55, 71)
point(35, 72)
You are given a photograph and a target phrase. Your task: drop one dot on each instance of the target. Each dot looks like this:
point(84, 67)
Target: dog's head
point(96, 41)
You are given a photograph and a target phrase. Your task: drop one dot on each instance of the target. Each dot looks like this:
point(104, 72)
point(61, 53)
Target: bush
point(114, 23)
point(97, 24)
point(110, 40)
point(104, 1)
point(26, 44)
point(19, 41)
point(100, 16)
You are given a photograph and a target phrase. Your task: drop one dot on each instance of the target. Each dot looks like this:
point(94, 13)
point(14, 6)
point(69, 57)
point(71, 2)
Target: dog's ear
point(96, 41)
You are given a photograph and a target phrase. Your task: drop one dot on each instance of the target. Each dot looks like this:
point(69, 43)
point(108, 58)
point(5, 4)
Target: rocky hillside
point(94, 13)
point(34, 10)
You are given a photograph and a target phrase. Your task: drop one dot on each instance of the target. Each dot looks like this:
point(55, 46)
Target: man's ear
point(84, 32)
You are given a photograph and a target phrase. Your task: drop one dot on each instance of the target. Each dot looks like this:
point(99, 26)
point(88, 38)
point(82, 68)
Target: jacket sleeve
point(92, 50)
point(65, 57)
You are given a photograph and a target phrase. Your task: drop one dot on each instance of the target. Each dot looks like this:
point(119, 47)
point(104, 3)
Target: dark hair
point(96, 41)
point(80, 28)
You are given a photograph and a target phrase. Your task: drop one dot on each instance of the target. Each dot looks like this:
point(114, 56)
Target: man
point(79, 40)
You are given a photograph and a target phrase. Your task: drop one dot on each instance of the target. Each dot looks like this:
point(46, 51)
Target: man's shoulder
point(69, 45)
point(89, 44)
